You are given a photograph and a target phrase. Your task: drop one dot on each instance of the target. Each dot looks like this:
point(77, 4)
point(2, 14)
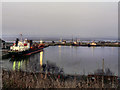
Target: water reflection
point(41, 58)
point(35, 63)
point(19, 64)
point(28, 63)
point(14, 65)
point(82, 60)
point(59, 52)
point(92, 50)
point(77, 60)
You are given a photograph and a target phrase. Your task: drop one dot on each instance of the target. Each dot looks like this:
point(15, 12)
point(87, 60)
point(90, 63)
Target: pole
point(21, 37)
point(103, 65)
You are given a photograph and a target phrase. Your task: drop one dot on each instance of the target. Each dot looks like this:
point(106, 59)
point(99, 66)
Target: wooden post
point(45, 76)
point(95, 79)
point(113, 82)
point(87, 82)
point(103, 74)
point(103, 81)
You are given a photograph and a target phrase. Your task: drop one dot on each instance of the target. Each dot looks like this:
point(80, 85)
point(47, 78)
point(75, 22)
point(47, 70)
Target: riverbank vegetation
point(20, 79)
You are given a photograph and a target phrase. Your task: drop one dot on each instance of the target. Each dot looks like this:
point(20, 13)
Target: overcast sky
point(84, 20)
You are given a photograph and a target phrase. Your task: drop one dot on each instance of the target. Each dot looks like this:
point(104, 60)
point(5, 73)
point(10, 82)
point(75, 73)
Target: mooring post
point(103, 81)
point(113, 82)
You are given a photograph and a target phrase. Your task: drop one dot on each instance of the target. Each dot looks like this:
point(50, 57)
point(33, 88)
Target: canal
point(73, 60)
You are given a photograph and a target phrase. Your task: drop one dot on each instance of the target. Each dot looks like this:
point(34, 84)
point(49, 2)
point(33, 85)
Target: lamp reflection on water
point(41, 58)
point(14, 65)
point(59, 52)
point(41, 61)
point(35, 63)
point(29, 63)
point(92, 50)
point(18, 63)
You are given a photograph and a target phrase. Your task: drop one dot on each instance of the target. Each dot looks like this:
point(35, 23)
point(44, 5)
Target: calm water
point(73, 60)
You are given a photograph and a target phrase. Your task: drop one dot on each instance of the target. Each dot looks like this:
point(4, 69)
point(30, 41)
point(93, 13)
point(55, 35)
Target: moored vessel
point(26, 47)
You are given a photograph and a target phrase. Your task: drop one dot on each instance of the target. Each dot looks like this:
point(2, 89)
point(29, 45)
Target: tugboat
point(25, 48)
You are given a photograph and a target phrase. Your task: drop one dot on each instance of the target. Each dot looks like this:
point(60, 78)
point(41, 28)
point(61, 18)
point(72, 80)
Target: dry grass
point(19, 79)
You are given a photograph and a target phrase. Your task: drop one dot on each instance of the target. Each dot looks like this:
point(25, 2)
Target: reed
point(20, 79)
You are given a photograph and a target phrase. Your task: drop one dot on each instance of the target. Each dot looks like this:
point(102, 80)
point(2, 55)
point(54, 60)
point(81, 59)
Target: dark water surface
point(73, 60)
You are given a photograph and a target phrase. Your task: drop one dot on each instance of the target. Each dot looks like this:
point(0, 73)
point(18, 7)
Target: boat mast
point(72, 38)
point(21, 37)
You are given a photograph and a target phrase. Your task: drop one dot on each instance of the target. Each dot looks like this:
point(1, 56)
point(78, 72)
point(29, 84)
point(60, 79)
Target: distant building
point(53, 41)
point(116, 43)
point(60, 40)
point(93, 44)
point(75, 42)
point(41, 41)
point(64, 42)
point(2, 44)
point(102, 42)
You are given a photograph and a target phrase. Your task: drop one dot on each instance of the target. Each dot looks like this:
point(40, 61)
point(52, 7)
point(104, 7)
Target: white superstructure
point(21, 46)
